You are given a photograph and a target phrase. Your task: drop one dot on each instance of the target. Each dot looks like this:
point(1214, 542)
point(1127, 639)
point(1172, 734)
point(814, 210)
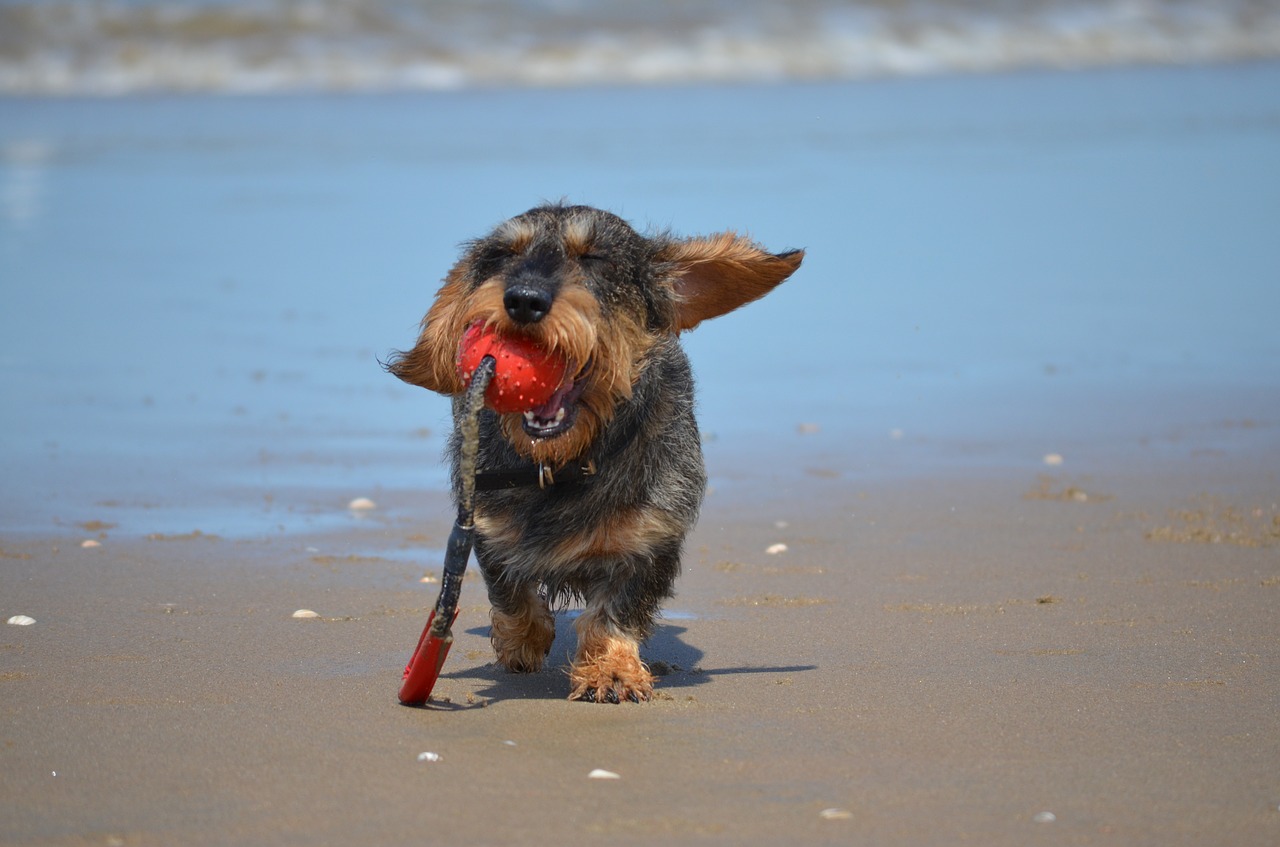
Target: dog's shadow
point(676, 664)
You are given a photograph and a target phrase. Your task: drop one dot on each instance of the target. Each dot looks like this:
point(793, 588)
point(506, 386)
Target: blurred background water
point(198, 285)
point(118, 46)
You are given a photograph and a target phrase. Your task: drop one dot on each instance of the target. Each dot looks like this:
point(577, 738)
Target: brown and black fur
point(611, 301)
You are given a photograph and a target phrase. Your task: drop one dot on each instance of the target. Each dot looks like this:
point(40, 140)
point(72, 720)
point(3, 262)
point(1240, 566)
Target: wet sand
point(927, 662)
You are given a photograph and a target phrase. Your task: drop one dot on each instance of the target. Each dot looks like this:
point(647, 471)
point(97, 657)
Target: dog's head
point(584, 284)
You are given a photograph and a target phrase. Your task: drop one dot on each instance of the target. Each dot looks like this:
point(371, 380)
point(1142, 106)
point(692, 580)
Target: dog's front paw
point(611, 676)
point(521, 642)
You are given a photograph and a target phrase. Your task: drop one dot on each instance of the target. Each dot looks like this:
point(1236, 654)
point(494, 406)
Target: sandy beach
point(927, 662)
point(991, 554)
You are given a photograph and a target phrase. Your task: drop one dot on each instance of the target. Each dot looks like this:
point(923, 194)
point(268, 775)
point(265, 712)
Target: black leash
point(437, 636)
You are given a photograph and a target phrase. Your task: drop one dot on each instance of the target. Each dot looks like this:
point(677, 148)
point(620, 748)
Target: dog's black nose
point(525, 304)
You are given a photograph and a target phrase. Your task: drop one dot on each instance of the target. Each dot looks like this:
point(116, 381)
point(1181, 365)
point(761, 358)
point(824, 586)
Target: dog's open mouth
point(558, 414)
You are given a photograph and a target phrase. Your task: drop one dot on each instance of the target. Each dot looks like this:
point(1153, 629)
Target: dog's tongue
point(547, 411)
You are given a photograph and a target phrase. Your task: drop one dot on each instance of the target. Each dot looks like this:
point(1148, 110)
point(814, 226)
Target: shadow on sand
point(676, 663)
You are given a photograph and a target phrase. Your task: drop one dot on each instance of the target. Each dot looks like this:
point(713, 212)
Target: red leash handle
point(424, 666)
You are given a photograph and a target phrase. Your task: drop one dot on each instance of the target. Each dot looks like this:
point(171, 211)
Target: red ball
point(526, 375)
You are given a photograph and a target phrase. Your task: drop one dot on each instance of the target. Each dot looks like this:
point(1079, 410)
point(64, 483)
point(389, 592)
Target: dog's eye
point(489, 264)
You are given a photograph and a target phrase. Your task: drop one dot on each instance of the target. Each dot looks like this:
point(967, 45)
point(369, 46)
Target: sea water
point(198, 289)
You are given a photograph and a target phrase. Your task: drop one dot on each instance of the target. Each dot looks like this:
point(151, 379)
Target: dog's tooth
point(529, 416)
point(560, 414)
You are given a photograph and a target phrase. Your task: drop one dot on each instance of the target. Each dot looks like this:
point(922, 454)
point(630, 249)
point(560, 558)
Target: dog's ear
point(432, 363)
point(716, 274)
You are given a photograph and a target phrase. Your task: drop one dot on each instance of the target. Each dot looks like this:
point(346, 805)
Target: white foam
point(276, 45)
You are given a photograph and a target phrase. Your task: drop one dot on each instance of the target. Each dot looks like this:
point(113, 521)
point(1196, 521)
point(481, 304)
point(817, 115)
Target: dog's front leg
point(619, 615)
point(522, 627)
point(607, 666)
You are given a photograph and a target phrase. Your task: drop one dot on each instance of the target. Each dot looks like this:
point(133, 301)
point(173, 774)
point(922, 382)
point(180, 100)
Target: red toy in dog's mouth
point(528, 379)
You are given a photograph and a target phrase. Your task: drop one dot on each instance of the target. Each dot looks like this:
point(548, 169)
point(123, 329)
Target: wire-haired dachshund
point(589, 496)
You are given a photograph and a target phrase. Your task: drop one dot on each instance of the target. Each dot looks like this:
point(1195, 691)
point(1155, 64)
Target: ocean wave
point(57, 47)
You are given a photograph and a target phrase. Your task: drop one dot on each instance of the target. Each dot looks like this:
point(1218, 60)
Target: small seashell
point(1053, 459)
point(90, 542)
point(509, 743)
point(1045, 817)
point(600, 773)
point(361, 504)
point(21, 620)
point(775, 549)
point(305, 613)
point(835, 814)
point(428, 757)
point(428, 578)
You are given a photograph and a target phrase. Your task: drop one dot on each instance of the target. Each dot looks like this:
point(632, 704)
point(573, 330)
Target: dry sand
point(1013, 658)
